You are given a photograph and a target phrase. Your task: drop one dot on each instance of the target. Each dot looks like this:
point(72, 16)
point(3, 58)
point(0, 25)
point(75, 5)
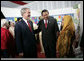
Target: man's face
point(27, 14)
point(45, 15)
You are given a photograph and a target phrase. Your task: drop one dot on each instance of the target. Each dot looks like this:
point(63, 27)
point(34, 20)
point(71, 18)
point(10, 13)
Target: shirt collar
point(45, 20)
point(24, 19)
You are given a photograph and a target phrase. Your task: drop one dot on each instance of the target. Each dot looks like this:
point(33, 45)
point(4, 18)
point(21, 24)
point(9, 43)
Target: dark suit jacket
point(49, 35)
point(25, 39)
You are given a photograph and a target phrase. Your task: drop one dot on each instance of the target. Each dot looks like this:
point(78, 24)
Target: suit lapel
point(25, 25)
point(31, 25)
point(43, 24)
point(48, 23)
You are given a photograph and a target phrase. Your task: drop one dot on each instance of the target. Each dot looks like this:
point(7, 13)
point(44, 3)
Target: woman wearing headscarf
point(66, 37)
point(7, 41)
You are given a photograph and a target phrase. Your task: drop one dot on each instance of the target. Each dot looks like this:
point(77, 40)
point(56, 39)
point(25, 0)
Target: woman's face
point(12, 24)
point(45, 15)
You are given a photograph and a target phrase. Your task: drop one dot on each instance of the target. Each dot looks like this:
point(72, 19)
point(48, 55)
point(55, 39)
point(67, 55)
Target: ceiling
point(14, 4)
point(39, 5)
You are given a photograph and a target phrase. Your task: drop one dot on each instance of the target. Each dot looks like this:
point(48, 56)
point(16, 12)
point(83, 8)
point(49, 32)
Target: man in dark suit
point(49, 29)
point(24, 36)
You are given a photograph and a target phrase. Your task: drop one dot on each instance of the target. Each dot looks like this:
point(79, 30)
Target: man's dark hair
point(44, 11)
point(9, 22)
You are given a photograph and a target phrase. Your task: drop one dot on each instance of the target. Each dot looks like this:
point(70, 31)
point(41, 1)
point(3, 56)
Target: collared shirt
point(45, 20)
point(25, 21)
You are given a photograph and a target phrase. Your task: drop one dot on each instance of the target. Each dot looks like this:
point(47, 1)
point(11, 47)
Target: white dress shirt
point(25, 21)
point(45, 20)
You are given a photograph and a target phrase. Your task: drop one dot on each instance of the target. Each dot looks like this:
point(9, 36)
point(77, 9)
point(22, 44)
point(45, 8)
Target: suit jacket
point(49, 35)
point(25, 39)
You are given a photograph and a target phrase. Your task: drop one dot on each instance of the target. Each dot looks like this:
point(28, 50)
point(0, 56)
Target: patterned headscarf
point(64, 39)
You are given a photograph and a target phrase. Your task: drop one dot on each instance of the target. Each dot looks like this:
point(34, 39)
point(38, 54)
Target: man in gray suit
point(48, 26)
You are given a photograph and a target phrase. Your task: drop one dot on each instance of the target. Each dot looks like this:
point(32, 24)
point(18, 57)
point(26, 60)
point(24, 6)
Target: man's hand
point(57, 54)
point(21, 54)
point(75, 44)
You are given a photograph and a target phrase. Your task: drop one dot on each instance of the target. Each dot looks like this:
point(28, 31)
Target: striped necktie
point(29, 26)
point(45, 23)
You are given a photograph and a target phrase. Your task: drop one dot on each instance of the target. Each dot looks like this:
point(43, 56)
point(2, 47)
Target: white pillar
point(81, 18)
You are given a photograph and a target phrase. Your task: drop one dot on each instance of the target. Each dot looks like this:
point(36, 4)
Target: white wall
point(50, 5)
point(10, 12)
point(15, 12)
point(81, 18)
point(62, 11)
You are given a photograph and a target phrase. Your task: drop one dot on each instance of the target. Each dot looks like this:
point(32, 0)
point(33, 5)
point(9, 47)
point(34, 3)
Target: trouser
point(30, 52)
point(50, 51)
point(4, 53)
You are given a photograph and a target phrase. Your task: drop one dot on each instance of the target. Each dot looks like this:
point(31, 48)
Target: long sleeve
point(18, 38)
point(39, 28)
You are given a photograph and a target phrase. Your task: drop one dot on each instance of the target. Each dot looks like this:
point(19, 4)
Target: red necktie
point(29, 26)
point(45, 23)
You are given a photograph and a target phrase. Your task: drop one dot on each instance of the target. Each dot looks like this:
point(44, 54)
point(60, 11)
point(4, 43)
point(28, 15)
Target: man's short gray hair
point(23, 10)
